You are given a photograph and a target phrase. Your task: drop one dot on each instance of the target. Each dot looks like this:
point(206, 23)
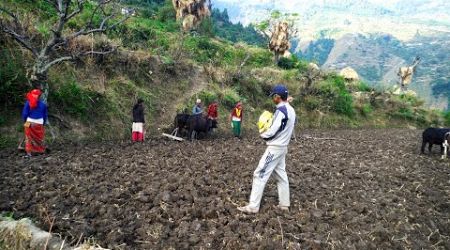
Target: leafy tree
point(225, 29)
point(58, 38)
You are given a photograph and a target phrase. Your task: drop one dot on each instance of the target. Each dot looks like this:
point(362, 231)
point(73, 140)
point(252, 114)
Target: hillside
point(377, 59)
point(169, 69)
point(375, 37)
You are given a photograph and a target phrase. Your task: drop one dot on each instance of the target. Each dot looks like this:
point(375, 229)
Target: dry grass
point(23, 234)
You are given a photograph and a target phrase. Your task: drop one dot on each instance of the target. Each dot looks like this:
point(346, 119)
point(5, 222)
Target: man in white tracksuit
point(278, 137)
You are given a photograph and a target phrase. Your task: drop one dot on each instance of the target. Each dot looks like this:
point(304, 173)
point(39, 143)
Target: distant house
point(128, 11)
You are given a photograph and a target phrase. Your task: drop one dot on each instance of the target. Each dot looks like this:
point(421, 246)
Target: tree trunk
point(276, 58)
point(39, 78)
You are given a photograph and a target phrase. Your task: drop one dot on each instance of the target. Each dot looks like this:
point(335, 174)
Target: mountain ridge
point(388, 35)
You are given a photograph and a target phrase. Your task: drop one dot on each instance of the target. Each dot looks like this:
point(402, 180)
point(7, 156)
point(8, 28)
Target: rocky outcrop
point(312, 67)
point(191, 12)
point(349, 74)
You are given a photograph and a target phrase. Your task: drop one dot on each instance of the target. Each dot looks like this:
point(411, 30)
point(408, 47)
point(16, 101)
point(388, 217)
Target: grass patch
point(366, 110)
point(447, 118)
point(364, 87)
point(336, 95)
point(72, 99)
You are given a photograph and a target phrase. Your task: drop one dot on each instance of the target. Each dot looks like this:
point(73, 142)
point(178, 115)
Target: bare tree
point(278, 28)
point(405, 74)
point(55, 49)
point(191, 12)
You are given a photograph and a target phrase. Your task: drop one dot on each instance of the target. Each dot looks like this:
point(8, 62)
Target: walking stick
point(20, 146)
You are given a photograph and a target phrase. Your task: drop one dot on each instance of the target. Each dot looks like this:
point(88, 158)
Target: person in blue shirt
point(34, 115)
point(198, 108)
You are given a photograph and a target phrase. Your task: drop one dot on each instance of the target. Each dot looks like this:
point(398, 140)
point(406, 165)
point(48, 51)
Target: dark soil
point(370, 190)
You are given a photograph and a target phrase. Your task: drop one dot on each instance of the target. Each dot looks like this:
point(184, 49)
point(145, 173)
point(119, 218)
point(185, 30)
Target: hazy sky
point(380, 2)
point(297, 5)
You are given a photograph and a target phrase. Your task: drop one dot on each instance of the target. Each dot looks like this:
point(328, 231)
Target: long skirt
point(236, 128)
point(34, 138)
point(137, 132)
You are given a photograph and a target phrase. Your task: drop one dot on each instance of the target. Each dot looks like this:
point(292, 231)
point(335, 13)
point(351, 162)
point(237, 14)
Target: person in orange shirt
point(236, 119)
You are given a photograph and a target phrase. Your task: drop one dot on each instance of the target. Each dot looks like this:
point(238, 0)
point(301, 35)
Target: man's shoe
point(249, 210)
point(283, 208)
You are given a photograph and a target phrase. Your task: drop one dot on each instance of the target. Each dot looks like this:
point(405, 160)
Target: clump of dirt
point(367, 189)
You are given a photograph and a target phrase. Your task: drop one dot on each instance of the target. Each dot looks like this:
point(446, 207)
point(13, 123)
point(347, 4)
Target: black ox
point(433, 136)
point(193, 124)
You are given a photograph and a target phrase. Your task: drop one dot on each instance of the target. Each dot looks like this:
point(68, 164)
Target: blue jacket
point(39, 112)
point(197, 110)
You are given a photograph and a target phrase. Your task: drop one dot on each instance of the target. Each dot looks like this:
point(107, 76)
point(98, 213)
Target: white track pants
point(273, 160)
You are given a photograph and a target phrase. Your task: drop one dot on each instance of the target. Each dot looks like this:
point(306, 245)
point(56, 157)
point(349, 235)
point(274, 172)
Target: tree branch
point(56, 61)
point(102, 28)
point(73, 57)
point(21, 39)
point(80, 7)
point(99, 6)
point(97, 52)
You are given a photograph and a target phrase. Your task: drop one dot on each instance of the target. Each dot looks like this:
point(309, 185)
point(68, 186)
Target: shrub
point(404, 113)
point(74, 100)
point(343, 104)
point(207, 97)
point(366, 110)
point(206, 27)
point(312, 103)
point(166, 12)
point(261, 58)
point(286, 63)
point(447, 118)
point(363, 87)
point(12, 78)
point(293, 62)
point(202, 48)
point(289, 74)
point(412, 100)
point(339, 82)
point(230, 97)
point(336, 95)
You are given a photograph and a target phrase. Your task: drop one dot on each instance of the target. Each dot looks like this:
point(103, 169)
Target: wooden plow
point(173, 135)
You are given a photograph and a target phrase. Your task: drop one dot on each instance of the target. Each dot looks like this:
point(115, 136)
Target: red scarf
point(33, 98)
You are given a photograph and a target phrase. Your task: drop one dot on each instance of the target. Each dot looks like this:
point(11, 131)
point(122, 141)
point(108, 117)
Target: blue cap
point(280, 90)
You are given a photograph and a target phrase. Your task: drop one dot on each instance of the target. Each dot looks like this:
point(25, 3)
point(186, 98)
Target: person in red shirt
point(212, 115)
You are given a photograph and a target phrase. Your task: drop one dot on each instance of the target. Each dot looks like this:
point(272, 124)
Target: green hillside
point(91, 98)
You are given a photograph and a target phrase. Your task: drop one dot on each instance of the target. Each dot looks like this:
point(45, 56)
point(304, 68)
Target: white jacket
point(280, 133)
